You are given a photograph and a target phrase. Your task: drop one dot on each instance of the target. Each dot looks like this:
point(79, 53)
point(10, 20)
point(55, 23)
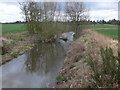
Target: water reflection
point(44, 57)
point(37, 68)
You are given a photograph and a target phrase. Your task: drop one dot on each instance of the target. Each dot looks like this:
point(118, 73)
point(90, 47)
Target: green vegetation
point(50, 29)
point(105, 29)
point(102, 26)
point(15, 54)
point(13, 28)
point(59, 77)
point(106, 73)
point(113, 33)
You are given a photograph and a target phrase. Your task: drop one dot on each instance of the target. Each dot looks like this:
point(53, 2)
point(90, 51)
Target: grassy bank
point(16, 44)
point(85, 64)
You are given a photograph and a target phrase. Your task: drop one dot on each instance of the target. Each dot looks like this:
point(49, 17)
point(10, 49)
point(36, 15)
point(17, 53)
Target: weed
point(77, 58)
point(15, 54)
point(107, 74)
point(59, 77)
point(85, 40)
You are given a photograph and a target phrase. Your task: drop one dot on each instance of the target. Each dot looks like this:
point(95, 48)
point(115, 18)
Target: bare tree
point(33, 15)
point(42, 15)
point(77, 12)
point(50, 9)
point(24, 8)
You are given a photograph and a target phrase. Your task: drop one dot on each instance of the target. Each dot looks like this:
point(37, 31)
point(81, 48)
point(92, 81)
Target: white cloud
point(102, 6)
point(10, 13)
point(62, 0)
point(103, 14)
point(103, 10)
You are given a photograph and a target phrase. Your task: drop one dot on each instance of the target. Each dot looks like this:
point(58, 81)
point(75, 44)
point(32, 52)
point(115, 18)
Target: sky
point(98, 10)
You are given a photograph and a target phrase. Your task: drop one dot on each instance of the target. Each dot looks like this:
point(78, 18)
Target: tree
point(76, 13)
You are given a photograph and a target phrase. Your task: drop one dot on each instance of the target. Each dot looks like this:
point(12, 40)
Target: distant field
point(13, 28)
point(113, 33)
point(102, 26)
point(106, 29)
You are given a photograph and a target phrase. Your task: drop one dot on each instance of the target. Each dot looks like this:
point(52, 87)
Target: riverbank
point(16, 44)
point(19, 43)
point(76, 73)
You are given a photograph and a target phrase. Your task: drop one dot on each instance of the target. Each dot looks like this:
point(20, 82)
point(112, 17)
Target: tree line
point(113, 22)
point(38, 14)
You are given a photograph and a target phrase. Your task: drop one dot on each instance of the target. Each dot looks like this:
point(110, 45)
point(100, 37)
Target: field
point(13, 28)
point(113, 33)
point(105, 29)
point(102, 26)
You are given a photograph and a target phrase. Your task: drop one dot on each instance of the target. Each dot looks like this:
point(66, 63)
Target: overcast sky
point(10, 11)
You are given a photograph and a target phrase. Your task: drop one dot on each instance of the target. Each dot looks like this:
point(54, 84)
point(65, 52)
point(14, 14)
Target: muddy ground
point(76, 73)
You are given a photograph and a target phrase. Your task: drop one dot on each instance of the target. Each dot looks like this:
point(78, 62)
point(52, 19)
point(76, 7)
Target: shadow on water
point(37, 68)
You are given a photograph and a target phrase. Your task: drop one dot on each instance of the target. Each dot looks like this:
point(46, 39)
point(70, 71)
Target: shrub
point(105, 75)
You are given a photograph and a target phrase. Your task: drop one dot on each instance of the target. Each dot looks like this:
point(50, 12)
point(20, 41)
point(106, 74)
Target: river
point(37, 68)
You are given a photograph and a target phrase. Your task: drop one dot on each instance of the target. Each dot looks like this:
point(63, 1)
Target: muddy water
point(37, 68)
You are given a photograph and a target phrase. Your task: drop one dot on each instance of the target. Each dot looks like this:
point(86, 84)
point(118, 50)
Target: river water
point(37, 68)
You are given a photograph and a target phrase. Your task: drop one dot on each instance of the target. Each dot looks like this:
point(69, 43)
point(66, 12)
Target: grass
point(113, 33)
point(102, 26)
point(13, 28)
